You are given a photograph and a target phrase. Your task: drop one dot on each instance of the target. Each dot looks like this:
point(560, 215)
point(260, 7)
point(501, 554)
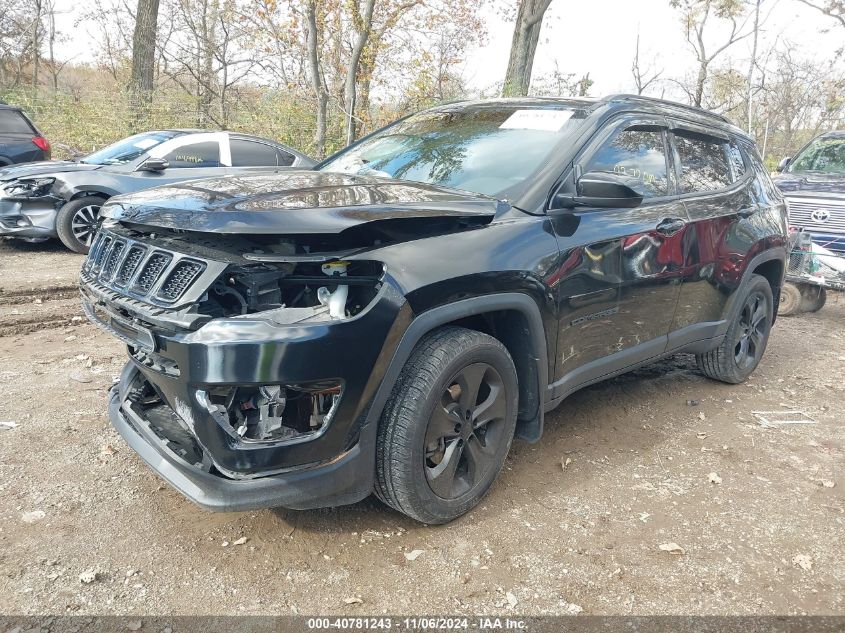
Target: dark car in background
point(390, 320)
point(813, 183)
point(62, 199)
point(20, 140)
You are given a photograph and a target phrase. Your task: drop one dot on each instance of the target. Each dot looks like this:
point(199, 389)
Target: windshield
point(128, 149)
point(490, 150)
point(825, 155)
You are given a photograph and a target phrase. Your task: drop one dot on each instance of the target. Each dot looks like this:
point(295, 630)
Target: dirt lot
point(758, 511)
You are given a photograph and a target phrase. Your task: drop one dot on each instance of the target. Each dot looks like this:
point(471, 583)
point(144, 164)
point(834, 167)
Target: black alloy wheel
point(465, 430)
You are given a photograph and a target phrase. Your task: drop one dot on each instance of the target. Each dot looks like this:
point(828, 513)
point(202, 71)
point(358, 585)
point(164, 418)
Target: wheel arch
point(511, 318)
point(89, 192)
point(771, 265)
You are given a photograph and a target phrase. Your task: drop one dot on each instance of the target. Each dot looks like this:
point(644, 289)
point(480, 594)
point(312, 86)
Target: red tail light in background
point(41, 143)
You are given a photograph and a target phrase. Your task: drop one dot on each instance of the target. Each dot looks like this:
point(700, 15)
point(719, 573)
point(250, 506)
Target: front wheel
point(448, 425)
point(78, 221)
point(745, 341)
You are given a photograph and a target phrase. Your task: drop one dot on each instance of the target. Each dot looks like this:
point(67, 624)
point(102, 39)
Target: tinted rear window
point(704, 164)
point(12, 121)
point(253, 154)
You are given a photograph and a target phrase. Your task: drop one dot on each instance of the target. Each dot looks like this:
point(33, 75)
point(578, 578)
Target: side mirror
point(784, 162)
point(600, 189)
point(154, 165)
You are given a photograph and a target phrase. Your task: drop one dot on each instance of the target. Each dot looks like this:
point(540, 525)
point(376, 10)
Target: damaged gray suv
point(389, 321)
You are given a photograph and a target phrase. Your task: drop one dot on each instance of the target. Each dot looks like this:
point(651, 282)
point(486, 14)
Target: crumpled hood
point(808, 184)
point(293, 202)
point(42, 169)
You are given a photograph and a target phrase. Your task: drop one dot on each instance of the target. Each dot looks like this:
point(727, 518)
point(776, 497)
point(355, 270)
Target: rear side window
point(206, 154)
point(639, 154)
point(12, 121)
point(285, 158)
point(252, 154)
point(704, 164)
point(737, 161)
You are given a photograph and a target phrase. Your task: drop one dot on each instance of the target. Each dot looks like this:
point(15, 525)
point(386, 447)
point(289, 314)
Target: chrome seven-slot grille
point(817, 214)
point(140, 270)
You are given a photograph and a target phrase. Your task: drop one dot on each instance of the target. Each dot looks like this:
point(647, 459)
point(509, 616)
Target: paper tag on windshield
point(546, 120)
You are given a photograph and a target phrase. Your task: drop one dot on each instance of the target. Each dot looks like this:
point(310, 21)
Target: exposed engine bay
point(194, 278)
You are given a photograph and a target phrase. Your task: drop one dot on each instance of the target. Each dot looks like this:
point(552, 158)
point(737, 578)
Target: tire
point(790, 300)
point(76, 223)
point(744, 344)
point(431, 463)
point(814, 298)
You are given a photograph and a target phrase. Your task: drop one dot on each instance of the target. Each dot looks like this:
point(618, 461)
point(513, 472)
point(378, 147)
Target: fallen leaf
point(8, 426)
point(134, 625)
point(512, 601)
point(574, 609)
point(88, 576)
point(701, 435)
point(107, 450)
point(803, 561)
point(565, 462)
point(672, 548)
point(414, 555)
point(80, 377)
point(353, 601)
point(714, 478)
point(701, 415)
point(240, 541)
point(32, 517)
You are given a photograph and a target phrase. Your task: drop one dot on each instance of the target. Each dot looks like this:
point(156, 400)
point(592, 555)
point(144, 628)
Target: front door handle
point(747, 212)
point(669, 226)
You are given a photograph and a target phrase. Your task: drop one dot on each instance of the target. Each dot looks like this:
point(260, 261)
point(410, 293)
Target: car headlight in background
point(28, 187)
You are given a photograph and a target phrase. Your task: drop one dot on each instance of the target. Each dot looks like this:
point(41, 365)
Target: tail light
point(41, 143)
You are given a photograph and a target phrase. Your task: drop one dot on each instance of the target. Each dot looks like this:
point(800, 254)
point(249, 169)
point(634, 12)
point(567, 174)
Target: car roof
point(620, 102)
point(833, 134)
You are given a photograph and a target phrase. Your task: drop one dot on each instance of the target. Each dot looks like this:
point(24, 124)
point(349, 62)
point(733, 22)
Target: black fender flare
point(530, 427)
point(780, 253)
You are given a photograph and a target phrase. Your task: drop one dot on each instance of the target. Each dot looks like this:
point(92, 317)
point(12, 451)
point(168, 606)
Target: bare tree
point(362, 24)
point(36, 43)
point(316, 75)
point(696, 14)
point(749, 94)
point(643, 76)
point(143, 58)
point(831, 8)
point(526, 34)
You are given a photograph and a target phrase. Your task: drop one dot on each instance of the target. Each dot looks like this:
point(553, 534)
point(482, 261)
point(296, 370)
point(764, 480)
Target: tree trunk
point(143, 60)
point(36, 45)
point(350, 88)
point(526, 34)
point(316, 76)
point(700, 81)
point(751, 64)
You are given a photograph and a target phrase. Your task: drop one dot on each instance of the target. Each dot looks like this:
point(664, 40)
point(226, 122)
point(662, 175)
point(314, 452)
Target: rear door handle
point(668, 226)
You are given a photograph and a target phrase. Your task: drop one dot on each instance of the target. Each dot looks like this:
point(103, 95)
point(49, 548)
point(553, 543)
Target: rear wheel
point(78, 221)
point(448, 425)
point(790, 300)
point(745, 341)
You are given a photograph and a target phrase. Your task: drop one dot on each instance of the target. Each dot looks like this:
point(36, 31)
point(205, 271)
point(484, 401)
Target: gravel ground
point(753, 516)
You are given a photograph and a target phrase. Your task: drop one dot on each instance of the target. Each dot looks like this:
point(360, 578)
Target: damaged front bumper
point(28, 218)
point(345, 479)
point(190, 441)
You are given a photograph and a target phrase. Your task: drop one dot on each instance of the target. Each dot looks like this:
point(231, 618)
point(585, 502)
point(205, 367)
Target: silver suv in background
point(813, 183)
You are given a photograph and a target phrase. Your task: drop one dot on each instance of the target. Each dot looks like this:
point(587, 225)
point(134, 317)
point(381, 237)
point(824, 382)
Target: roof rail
point(664, 102)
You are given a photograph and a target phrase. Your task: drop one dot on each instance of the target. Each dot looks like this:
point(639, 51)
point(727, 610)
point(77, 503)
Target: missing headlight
point(29, 188)
point(271, 413)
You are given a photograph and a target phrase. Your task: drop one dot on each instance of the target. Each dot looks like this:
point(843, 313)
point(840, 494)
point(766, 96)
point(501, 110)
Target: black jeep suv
point(391, 319)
